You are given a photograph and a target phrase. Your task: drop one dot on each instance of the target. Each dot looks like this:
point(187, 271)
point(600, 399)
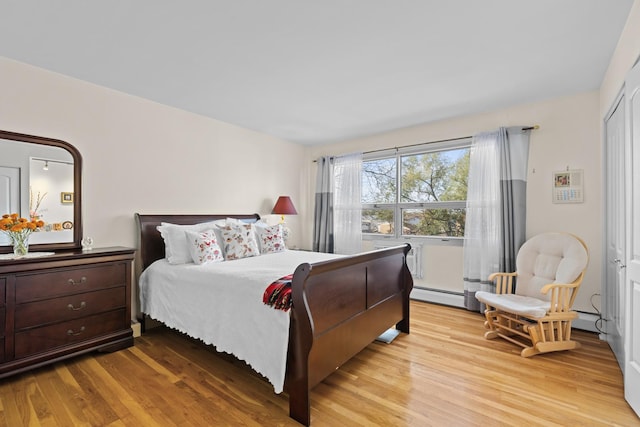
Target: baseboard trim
point(444, 298)
point(585, 321)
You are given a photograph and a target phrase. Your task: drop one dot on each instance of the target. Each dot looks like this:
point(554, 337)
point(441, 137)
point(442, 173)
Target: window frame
point(397, 207)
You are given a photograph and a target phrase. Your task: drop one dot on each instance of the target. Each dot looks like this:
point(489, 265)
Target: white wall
point(140, 156)
point(626, 54)
point(568, 136)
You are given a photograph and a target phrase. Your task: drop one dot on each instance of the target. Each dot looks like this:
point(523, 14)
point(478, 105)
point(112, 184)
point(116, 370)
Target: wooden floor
point(442, 374)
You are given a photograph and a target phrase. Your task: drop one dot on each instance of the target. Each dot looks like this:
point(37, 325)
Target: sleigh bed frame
point(339, 306)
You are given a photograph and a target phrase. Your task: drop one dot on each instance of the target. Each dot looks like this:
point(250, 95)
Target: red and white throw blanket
point(278, 294)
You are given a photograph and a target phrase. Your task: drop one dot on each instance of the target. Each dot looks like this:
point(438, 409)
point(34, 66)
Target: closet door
point(613, 289)
point(632, 288)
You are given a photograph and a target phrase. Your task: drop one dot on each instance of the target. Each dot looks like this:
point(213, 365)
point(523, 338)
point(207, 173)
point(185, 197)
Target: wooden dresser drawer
point(53, 283)
point(68, 307)
point(46, 338)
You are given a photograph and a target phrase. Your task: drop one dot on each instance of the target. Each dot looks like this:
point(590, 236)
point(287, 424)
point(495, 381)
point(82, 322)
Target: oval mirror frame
point(77, 189)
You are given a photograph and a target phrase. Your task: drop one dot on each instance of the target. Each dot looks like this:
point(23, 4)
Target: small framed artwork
point(66, 197)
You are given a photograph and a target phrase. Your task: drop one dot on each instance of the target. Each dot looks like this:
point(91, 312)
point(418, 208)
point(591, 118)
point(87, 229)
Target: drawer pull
point(82, 305)
point(70, 332)
point(73, 282)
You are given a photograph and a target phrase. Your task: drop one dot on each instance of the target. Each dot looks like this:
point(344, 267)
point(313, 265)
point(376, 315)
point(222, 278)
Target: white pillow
point(203, 246)
point(234, 221)
point(271, 238)
point(175, 241)
point(239, 241)
point(260, 224)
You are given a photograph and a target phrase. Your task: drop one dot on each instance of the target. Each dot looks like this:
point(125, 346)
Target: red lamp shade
point(284, 206)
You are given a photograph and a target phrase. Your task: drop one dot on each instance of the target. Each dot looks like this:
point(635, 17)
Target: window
point(418, 191)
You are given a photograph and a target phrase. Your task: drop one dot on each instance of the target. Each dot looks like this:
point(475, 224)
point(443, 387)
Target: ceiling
point(324, 71)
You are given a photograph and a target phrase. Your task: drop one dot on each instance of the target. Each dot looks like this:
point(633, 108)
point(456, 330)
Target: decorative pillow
point(239, 241)
point(204, 247)
point(175, 241)
point(271, 238)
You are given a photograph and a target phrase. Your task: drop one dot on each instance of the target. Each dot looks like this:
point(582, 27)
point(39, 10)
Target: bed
point(340, 304)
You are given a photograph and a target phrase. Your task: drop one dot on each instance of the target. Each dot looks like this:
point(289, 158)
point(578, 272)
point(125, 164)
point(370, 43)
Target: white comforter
point(221, 304)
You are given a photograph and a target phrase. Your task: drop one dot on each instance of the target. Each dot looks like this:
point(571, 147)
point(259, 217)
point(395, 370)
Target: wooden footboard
point(340, 307)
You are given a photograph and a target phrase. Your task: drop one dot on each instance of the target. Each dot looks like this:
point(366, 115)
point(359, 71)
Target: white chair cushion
point(549, 258)
point(518, 304)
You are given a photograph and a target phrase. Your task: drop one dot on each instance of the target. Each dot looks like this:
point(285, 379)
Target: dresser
point(62, 305)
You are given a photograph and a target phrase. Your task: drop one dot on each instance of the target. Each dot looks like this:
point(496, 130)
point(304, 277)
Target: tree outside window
point(431, 197)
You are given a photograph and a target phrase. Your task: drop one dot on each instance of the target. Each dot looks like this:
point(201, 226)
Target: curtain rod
point(415, 145)
point(534, 127)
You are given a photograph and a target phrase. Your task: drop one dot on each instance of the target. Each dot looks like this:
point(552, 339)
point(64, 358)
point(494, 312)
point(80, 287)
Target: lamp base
point(286, 232)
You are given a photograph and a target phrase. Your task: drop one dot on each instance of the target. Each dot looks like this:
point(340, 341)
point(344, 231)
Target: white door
point(613, 289)
point(632, 291)
point(9, 194)
point(9, 189)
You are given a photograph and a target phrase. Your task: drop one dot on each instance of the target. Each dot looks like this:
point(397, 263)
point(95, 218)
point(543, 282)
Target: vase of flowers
point(19, 229)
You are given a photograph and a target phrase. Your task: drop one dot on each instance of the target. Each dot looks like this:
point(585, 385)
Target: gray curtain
point(495, 226)
point(513, 191)
point(323, 212)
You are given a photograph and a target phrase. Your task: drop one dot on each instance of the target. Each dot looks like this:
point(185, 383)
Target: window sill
point(425, 240)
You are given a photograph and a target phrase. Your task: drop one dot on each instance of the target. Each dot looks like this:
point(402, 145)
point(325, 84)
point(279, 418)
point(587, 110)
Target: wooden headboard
point(151, 244)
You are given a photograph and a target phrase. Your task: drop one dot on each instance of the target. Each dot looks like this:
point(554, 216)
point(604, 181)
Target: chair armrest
point(546, 288)
point(503, 281)
point(562, 295)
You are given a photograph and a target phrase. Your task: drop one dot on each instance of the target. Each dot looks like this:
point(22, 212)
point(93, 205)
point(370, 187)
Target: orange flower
point(13, 223)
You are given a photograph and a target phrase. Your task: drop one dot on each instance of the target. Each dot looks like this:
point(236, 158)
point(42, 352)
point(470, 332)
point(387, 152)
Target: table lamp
point(284, 206)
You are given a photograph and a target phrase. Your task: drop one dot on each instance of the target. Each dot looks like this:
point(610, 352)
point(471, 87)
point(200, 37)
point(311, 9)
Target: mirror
point(41, 178)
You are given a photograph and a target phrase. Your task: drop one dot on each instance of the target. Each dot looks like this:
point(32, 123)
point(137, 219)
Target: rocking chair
point(537, 314)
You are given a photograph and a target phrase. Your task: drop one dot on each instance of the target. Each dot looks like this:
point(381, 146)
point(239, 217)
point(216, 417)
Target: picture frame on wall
point(66, 197)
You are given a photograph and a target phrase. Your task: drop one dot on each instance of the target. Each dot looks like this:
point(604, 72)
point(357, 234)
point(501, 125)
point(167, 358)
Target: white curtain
point(481, 232)
point(496, 207)
point(347, 210)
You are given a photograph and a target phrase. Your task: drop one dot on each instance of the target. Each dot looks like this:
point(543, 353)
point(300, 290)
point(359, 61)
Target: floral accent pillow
point(204, 247)
point(175, 239)
point(271, 238)
point(239, 241)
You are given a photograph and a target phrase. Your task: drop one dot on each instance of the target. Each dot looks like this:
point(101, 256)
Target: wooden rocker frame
point(536, 335)
point(549, 333)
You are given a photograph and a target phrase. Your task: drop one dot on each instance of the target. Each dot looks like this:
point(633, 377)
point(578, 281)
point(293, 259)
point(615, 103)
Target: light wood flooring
point(443, 374)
